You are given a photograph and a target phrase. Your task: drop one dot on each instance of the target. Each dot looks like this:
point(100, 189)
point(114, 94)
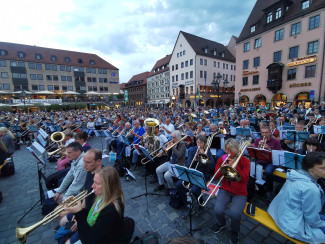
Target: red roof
point(76, 58)
point(159, 64)
point(139, 79)
point(122, 86)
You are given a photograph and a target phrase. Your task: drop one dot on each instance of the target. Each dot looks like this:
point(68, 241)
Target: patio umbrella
point(44, 92)
point(70, 93)
point(93, 93)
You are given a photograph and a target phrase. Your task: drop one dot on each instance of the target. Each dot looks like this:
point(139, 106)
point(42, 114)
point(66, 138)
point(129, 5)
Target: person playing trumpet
point(231, 191)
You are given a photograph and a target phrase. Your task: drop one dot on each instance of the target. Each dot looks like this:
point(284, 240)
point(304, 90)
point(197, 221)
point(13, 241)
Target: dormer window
point(157, 69)
point(21, 54)
point(3, 52)
point(305, 4)
point(278, 13)
point(67, 59)
point(269, 17)
point(215, 53)
point(223, 54)
point(80, 61)
point(205, 50)
point(163, 67)
point(53, 58)
point(38, 56)
point(92, 62)
point(252, 28)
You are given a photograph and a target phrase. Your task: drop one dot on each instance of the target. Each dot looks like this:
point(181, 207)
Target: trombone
point(22, 233)
point(229, 172)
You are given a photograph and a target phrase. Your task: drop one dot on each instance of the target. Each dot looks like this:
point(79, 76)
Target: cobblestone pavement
point(20, 192)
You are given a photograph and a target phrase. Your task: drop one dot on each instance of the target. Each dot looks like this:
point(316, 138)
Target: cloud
point(132, 35)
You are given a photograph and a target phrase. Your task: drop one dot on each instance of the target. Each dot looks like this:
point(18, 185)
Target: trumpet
point(264, 143)
point(22, 233)
point(229, 172)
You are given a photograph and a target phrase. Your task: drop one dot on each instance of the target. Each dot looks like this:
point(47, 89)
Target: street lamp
point(239, 95)
point(22, 96)
point(225, 84)
point(215, 84)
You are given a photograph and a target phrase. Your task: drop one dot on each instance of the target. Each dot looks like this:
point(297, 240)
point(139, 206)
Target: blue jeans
point(269, 168)
point(120, 149)
point(134, 157)
point(237, 206)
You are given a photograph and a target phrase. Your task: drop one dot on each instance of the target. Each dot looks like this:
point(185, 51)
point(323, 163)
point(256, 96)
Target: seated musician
point(8, 140)
point(177, 157)
point(92, 164)
point(192, 162)
point(190, 135)
point(81, 137)
point(290, 145)
point(321, 137)
point(120, 145)
point(199, 130)
point(231, 191)
point(110, 141)
point(65, 162)
point(103, 223)
point(311, 144)
point(296, 209)
point(275, 133)
point(138, 134)
point(26, 135)
point(90, 127)
point(75, 179)
point(269, 143)
point(168, 128)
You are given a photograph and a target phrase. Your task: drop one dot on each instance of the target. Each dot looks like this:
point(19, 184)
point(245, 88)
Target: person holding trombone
point(233, 190)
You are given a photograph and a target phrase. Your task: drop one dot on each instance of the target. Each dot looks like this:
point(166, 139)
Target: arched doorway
point(302, 98)
point(201, 102)
point(259, 100)
point(243, 101)
point(218, 102)
point(187, 104)
point(209, 102)
point(278, 100)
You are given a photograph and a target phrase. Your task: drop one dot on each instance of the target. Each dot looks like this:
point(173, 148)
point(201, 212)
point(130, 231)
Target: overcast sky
point(130, 34)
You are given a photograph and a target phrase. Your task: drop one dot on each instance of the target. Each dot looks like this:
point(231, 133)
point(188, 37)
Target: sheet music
point(128, 151)
point(232, 130)
point(43, 133)
point(283, 134)
point(252, 170)
point(172, 169)
point(38, 147)
point(277, 155)
point(41, 140)
point(130, 173)
point(259, 175)
point(213, 151)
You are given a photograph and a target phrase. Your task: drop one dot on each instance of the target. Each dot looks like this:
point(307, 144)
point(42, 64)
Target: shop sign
point(250, 89)
point(190, 82)
point(246, 72)
point(51, 101)
point(175, 85)
point(305, 60)
point(215, 96)
point(300, 84)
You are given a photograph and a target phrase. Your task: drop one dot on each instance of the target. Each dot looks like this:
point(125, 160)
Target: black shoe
point(219, 228)
point(269, 196)
point(234, 239)
point(187, 214)
point(153, 180)
point(56, 228)
point(158, 188)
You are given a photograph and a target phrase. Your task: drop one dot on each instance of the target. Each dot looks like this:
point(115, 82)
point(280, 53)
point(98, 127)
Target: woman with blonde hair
point(8, 140)
point(104, 222)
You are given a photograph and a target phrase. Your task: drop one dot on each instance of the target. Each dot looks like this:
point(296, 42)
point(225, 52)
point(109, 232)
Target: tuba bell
point(151, 123)
point(57, 137)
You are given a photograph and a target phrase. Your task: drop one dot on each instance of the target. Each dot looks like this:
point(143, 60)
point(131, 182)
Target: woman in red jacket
point(231, 191)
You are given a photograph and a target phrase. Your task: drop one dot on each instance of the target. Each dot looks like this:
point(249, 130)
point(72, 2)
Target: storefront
point(243, 101)
point(259, 100)
point(279, 100)
point(302, 98)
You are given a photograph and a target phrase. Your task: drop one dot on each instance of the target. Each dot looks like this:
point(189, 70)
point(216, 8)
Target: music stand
point(146, 154)
point(320, 130)
point(243, 132)
point(256, 135)
point(287, 159)
point(295, 136)
point(40, 166)
point(193, 177)
point(101, 134)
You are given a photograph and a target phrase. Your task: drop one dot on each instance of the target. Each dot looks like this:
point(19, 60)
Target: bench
point(280, 174)
point(265, 219)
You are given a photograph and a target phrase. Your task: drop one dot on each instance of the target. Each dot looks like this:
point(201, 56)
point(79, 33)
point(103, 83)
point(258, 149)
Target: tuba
point(151, 123)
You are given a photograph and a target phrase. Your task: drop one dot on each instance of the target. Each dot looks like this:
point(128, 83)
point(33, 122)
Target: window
point(3, 52)
point(191, 61)
point(201, 61)
point(293, 52)
point(223, 65)
point(186, 75)
point(47, 66)
point(214, 52)
point(92, 62)
point(63, 78)
point(278, 35)
point(39, 66)
point(291, 74)
point(3, 63)
point(93, 71)
point(173, 79)
point(277, 56)
point(21, 64)
point(64, 88)
point(256, 79)
point(6, 86)
point(172, 67)
point(70, 88)
point(35, 87)
point(38, 56)
point(218, 64)
point(56, 88)
point(205, 74)
point(180, 54)
point(245, 64)
point(54, 67)
point(53, 58)
point(314, 22)
point(13, 63)
point(310, 71)
point(41, 87)
point(246, 47)
point(186, 63)
point(258, 42)
point(214, 63)
point(312, 47)
point(184, 52)
point(305, 4)
point(62, 68)
point(245, 81)
point(88, 70)
point(40, 76)
point(177, 55)
point(191, 74)
point(256, 61)
point(31, 65)
point(252, 28)
point(182, 65)
point(80, 61)
point(295, 29)
point(278, 13)
point(33, 76)
point(201, 74)
point(20, 54)
point(205, 50)
point(69, 78)
point(176, 66)
point(269, 17)
point(48, 77)
point(4, 74)
point(67, 59)
point(205, 62)
point(176, 77)
point(50, 88)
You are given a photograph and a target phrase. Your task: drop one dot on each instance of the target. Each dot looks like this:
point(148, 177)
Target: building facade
point(158, 84)
point(136, 90)
point(37, 69)
point(194, 64)
point(280, 53)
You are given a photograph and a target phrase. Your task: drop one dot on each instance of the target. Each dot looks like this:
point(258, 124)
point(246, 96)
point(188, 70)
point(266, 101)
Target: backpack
point(54, 180)
point(121, 165)
point(175, 199)
point(147, 238)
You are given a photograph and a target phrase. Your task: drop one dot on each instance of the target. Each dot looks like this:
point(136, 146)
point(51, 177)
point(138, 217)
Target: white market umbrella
point(93, 93)
point(44, 92)
point(70, 93)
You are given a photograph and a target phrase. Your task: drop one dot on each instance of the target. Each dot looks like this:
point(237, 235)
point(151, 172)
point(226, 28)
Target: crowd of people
point(207, 140)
